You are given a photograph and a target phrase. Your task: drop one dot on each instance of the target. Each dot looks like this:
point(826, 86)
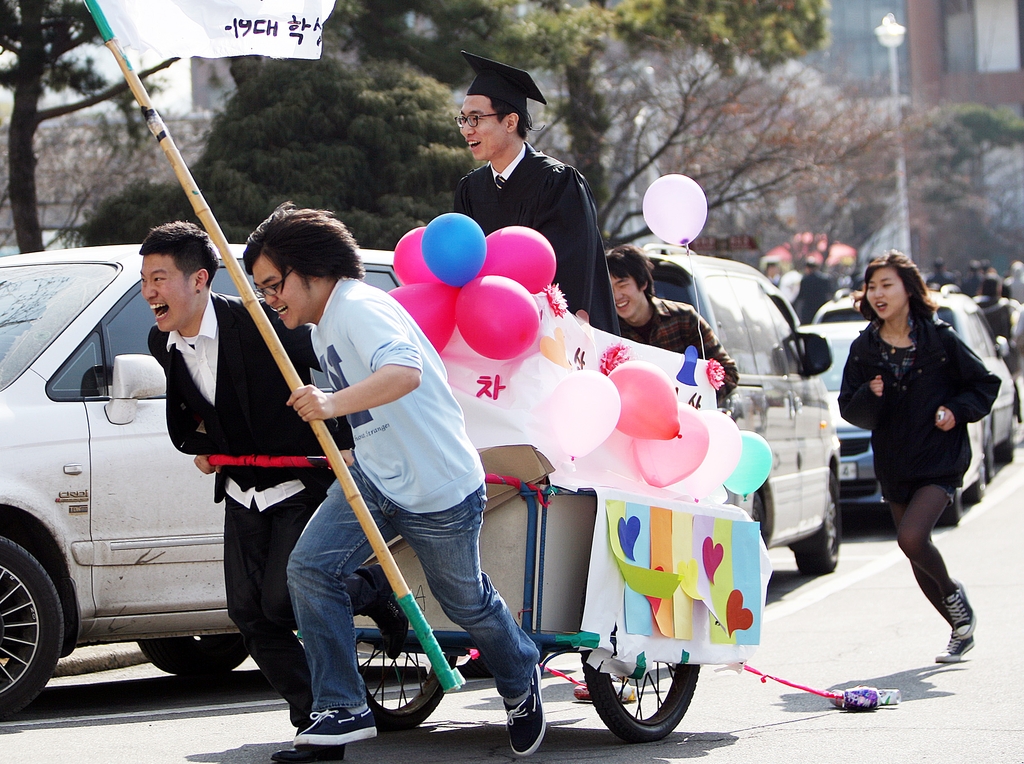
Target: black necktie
point(499, 182)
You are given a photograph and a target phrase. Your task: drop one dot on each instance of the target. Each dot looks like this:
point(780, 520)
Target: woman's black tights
point(914, 523)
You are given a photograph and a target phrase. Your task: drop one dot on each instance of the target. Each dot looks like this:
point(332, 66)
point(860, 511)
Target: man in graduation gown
point(522, 186)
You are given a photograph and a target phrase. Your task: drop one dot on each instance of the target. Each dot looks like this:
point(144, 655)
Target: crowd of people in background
point(999, 296)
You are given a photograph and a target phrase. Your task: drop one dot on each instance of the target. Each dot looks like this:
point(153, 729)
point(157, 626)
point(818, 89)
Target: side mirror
point(135, 377)
point(817, 355)
point(1002, 347)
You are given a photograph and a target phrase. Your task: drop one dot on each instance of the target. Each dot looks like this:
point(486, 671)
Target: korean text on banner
point(220, 28)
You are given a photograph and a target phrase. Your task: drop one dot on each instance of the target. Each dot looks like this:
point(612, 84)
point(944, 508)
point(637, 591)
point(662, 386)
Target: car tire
point(1003, 453)
point(819, 554)
point(953, 512)
point(31, 628)
point(193, 656)
point(975, 492)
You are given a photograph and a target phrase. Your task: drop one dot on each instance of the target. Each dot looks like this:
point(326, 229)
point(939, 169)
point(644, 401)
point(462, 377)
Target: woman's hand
point(944, 419)
point(877, 385)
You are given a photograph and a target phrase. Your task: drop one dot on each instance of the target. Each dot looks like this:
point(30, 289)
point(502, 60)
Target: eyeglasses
point(471, 119)
point(271, 289)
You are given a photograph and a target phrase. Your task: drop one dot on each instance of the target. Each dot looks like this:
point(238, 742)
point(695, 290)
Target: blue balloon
point(454, 248)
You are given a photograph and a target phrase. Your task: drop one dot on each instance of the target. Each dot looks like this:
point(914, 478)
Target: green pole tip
point(101, 20)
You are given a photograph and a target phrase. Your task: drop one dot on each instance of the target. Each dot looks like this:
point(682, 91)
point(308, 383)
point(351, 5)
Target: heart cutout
point(713, 554)
point(629, 532)
point(689, 572)
point(553, 348)
point(738, 617)
point(656, 601)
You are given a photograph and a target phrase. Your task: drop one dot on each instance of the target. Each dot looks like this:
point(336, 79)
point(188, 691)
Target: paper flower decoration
point(614, 355)
point(716, 374)
point(556, 300)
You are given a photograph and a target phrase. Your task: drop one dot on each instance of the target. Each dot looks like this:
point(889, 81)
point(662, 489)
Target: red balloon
point(432, 307)
point(409, 264)
point(497, 317)
point(649, 406)
point(522, 254)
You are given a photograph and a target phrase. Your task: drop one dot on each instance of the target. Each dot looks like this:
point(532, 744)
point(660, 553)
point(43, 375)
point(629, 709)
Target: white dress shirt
point(200, 354)
point(511, 165)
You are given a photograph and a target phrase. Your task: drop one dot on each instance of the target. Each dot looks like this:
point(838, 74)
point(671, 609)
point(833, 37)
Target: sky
point(175, 98)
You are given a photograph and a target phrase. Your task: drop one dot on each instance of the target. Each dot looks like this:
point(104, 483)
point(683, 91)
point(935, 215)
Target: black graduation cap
point(506, 83)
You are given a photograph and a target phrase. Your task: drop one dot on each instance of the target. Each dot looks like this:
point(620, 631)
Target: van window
point(729, 323)
point(82, 375)
point(786, 332)
point(770, 355)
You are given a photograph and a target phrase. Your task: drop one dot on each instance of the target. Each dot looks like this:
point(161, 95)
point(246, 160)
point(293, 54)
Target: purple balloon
point(675, 209)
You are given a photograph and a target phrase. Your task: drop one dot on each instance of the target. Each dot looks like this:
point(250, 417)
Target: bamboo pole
point(449, 677)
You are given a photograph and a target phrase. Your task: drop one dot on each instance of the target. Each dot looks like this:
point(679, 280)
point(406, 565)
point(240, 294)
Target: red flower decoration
point(615, 355)
point(716, 374)
point(556, 300)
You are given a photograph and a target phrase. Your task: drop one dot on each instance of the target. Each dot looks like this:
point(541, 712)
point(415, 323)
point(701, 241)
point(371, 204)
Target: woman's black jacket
point(908, 447)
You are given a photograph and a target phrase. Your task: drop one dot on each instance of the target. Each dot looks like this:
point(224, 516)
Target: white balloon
point(675, 209)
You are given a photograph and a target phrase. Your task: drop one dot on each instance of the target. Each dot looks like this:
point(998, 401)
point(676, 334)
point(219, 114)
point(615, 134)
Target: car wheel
point(31, 628)
point(953, 512)
point(192, 656)
point(1003, 453)
point(759, 513)
point(819, 554)
point(975, 492)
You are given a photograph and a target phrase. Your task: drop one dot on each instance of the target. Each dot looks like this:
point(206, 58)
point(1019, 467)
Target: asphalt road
point(865, 624)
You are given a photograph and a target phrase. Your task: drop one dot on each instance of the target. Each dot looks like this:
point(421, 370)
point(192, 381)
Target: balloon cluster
point(672, 442)
point(452, 275)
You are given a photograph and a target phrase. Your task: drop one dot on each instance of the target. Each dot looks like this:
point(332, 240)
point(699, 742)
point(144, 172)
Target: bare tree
point(751, 138)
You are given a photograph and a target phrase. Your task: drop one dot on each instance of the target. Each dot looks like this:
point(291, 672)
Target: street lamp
point(890, 34)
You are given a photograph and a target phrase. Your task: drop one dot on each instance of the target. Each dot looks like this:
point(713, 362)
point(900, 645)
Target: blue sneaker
point(526, 723)
point(337, 726)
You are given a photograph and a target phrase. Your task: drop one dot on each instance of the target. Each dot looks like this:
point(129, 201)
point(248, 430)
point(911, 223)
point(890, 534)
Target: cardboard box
point(561, 549)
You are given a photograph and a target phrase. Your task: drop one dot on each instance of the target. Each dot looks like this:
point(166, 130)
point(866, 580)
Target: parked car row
point(993, 439)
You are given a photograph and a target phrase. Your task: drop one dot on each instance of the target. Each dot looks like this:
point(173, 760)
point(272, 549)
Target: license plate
point(848, 471)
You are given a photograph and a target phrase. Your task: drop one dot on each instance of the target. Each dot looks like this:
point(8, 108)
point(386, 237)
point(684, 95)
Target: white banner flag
point(220, 28)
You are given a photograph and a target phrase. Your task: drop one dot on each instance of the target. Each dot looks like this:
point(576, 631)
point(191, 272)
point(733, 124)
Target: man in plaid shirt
point(663, 323)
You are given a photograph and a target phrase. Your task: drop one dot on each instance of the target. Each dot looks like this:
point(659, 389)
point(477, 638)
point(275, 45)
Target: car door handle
point(73, 469)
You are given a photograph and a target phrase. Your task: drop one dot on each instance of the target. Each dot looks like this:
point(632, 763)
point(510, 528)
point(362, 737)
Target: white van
point(780, 396)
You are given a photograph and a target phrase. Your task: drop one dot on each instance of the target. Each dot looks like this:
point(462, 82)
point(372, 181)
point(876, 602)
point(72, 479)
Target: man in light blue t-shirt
point(419, 474)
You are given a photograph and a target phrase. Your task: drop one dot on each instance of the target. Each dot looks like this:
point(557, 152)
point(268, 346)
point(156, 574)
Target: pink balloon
point(409, 264)
point(432, 307)
point(723, 455)
point(664, 462)
point(582, 411)
point(649, 406)
point(523, 255)
point(675, 209)
point(497, 317)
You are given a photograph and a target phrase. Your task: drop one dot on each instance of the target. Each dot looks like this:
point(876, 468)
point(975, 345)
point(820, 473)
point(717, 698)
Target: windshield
point(37, 302)
point(833, 378)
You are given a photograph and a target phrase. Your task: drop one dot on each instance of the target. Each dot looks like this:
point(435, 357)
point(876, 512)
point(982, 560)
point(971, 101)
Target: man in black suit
point(225, 395)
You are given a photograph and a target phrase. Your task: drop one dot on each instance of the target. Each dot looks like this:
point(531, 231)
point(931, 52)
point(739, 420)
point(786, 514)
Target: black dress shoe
point(392, 623)
point(319, 753)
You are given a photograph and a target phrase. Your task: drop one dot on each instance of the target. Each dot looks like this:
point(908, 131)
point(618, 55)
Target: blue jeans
point(333, 545)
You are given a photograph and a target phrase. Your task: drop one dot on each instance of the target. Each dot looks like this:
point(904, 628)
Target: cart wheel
point(402, 692)
point(647, 709)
